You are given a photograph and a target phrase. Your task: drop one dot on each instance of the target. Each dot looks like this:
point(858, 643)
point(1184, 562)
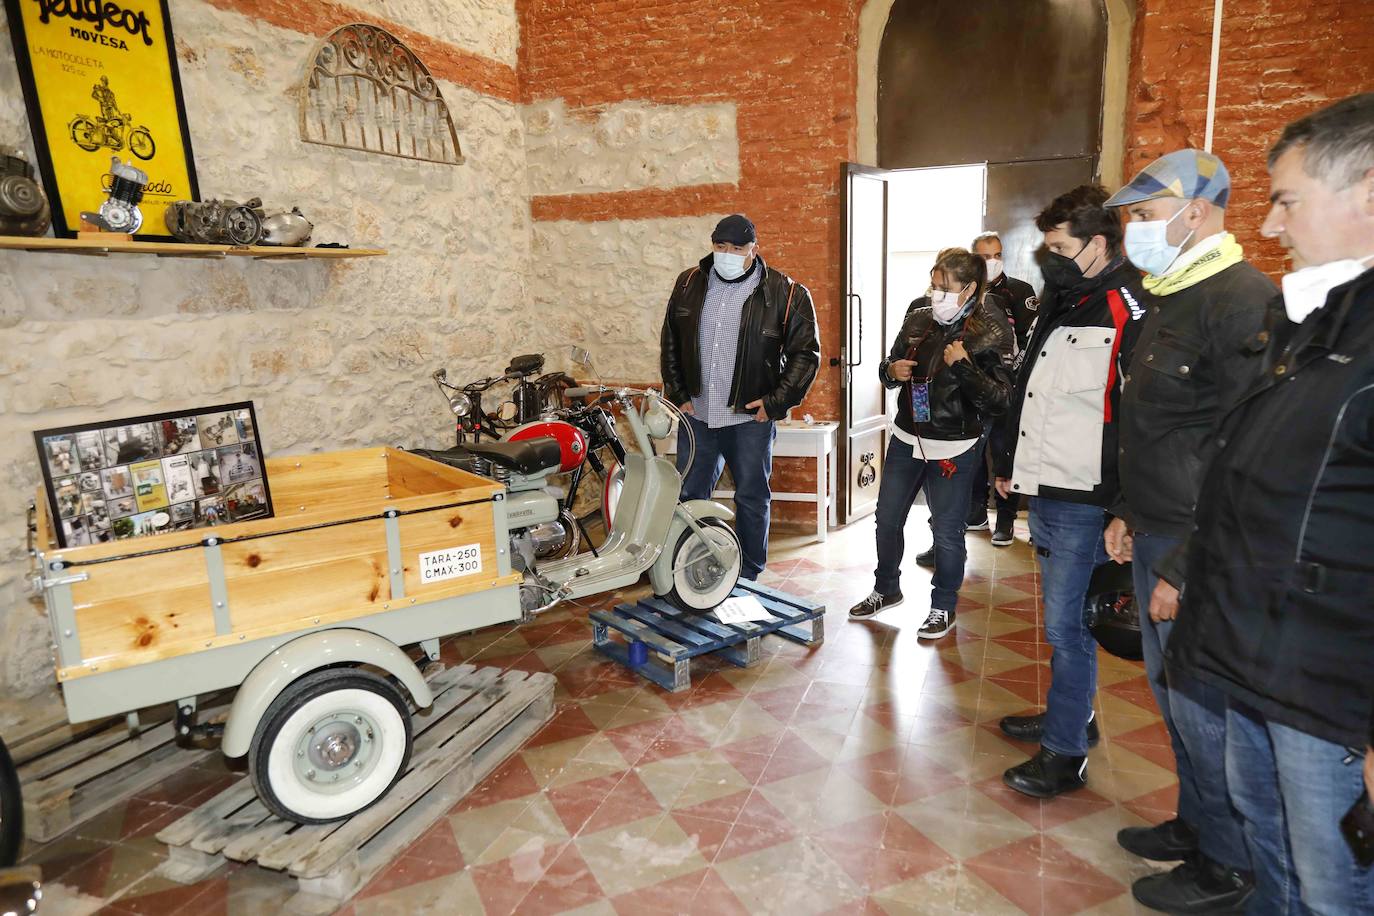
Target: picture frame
point(101, 80)
point(162, 472)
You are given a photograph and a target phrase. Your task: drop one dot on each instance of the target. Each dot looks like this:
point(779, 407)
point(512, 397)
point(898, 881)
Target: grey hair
point(991, 235)
point(1338, 141)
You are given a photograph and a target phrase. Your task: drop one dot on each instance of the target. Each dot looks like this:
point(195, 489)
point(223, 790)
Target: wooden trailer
point(368, 551)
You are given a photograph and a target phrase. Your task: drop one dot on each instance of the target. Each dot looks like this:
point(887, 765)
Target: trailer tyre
point(333, 743)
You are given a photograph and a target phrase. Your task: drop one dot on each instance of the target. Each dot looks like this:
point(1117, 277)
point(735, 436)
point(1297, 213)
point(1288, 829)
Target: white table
point(797, 439)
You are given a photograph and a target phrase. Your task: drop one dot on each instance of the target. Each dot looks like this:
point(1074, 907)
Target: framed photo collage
point(154, 474)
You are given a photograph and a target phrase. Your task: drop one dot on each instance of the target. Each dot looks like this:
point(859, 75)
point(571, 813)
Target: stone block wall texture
point(1280, 59)
point(335, 355)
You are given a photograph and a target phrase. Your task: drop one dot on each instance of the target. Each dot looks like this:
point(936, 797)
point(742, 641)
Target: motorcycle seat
point(528, 456)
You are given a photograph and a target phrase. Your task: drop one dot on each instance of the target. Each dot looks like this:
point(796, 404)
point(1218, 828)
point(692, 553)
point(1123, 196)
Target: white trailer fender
point(300, 656)
point(661, 573)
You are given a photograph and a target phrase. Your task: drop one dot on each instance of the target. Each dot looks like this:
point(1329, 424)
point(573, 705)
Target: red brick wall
point(1280, 59)
point(788, 65)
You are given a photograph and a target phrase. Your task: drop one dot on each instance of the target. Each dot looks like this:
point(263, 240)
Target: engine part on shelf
point(23, 207)
point(119, 212)
point(290, 230)
point(216, 222)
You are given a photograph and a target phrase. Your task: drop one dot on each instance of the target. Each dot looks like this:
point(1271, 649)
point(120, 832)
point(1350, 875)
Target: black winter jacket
point(1021, 303)
point(778, 352)
point(1278, 597)
point(1190, 365)
point(962, 396)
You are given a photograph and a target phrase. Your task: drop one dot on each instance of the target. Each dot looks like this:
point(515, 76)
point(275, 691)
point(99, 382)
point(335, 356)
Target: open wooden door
point(864, 409)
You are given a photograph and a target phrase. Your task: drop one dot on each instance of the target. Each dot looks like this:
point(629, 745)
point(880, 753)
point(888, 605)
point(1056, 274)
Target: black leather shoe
point(1166, 842)
point(1032, 728)
point(926, 559)
point(1048, 774)
point(1199, 885)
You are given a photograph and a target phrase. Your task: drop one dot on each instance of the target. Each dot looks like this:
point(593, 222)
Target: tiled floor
point(861, 777)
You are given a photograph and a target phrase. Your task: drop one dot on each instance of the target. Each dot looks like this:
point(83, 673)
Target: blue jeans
point(904, 473)
point(1292, 789)
point(1069, 546)
point(748, 449)
point(1195, 714)
point(1007, 506)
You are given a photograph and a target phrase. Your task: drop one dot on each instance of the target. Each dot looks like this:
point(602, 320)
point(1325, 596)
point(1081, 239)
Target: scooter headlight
point(460, 406)
point(657, 421)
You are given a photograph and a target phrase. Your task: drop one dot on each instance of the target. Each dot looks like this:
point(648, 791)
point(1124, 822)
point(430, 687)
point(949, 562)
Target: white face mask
point(729, 266)
point(945, 306)
point(1147, 245)
point(1305, 291)
point(994, 269)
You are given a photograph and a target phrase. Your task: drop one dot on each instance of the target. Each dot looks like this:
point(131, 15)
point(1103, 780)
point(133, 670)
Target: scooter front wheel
point(700, 581)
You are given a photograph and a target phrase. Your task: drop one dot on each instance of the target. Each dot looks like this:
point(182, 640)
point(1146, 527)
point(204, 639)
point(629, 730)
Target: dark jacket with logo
point(962, 396)
point(1061, 427)
point(1190, 364)
point(1278, 598)
point(778, 352)
point(1022, 305)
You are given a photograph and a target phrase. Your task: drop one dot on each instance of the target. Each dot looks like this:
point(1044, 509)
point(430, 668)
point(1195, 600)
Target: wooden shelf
point(101, 248)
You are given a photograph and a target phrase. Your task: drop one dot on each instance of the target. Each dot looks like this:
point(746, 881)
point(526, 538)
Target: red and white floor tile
point(861, 777)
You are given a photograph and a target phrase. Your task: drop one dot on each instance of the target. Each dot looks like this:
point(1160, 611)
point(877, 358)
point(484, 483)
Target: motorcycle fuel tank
point(530, 507)
point(572, 442)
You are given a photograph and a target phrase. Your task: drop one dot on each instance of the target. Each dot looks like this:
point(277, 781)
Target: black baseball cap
point(735, 229)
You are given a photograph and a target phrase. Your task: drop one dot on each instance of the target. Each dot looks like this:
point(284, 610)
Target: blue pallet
point(659, 640)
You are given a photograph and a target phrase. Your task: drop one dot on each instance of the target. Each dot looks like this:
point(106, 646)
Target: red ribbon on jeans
point(947, 468)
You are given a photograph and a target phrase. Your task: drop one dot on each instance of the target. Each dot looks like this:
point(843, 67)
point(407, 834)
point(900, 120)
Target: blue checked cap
point(1186, 174)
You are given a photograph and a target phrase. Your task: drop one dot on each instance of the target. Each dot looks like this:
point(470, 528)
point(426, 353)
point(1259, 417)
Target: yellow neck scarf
point(1206, 265)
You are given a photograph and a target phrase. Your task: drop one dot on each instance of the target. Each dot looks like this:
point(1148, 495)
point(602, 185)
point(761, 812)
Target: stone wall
point(334, 355)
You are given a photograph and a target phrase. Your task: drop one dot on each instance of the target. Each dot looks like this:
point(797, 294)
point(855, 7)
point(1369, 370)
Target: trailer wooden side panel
point(330, 554)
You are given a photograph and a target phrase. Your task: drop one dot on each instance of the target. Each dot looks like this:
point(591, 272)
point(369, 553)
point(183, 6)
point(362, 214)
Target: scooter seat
point(528, 456)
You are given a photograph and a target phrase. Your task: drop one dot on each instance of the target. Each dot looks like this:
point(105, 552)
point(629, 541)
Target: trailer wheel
point(700, 583)
point(333, 743)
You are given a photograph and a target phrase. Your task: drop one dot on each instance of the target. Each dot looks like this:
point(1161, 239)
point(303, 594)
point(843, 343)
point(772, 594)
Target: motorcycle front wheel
point(700, 582)
point(141, 144)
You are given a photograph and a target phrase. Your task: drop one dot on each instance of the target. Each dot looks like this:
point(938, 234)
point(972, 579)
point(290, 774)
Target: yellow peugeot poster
point(100, 81)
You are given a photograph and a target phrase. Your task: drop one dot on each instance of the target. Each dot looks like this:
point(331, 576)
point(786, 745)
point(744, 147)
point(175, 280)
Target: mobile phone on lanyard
point(920, 387)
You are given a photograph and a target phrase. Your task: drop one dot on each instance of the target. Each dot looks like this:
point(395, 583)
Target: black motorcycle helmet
point(1110, 611)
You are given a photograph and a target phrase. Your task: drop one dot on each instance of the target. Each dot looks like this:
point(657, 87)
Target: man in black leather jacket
point(1277, 609)
point(1022, 305)
point(738, 351)
point(951, 362)
point(1190, 365)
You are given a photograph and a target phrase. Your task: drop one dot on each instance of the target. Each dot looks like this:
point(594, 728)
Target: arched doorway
point(933, 91)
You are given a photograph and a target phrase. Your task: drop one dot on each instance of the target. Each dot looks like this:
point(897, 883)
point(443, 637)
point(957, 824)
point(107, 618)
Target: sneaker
point(1032, 728)
point(1199, 885)
point(874, 603)
point(1048, 774)
point(926, 559)
point(1002, 537)
point(1167, 842)
point(937, 624)
point(977, 522)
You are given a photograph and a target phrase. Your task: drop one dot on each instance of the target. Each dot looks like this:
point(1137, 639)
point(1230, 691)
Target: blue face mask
point(1147, 245)
point(729, 266)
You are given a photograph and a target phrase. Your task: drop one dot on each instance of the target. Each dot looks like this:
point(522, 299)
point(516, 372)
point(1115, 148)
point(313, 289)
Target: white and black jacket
point(1061, 425)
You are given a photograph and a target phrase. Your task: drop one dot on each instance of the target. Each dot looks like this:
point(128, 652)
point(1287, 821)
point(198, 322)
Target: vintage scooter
point(690, 552)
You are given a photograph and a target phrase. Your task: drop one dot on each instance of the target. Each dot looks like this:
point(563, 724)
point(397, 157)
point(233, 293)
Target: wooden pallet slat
point(678, 636)
point(479, 718)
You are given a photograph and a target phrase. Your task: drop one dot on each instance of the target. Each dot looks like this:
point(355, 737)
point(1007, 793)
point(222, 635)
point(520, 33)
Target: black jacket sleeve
point(985, 377)
point(670, 353)
point(801, 355)
point(900, 343)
